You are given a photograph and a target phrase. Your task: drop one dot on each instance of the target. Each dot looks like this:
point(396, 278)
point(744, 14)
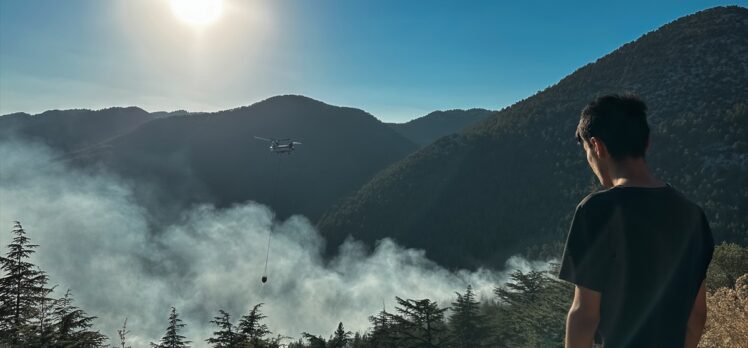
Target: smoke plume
point(98, 241)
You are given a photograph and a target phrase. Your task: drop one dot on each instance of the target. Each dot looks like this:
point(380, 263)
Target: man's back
point(646, 251)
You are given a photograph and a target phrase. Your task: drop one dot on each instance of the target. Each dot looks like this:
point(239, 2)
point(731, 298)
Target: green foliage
point(531, 310)
point(172, 338)
point(72, 327)
point(249, 333)
point(225, 337)
point(467, 325)
point(314, 341)
point(340, 338)
point(512, 180)
point(729, 262)
point(382, 332)
point(419, 324)
point(22, 288)
point(251, 329)
point(29, 317)
point(424, 130)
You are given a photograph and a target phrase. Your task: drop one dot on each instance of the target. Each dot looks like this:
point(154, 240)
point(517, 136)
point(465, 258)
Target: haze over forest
point(136, 212)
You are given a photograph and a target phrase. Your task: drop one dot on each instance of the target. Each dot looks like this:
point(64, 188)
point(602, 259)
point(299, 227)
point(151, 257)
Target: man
point(638, 250)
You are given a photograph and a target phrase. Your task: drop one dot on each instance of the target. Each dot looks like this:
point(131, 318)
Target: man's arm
point(697, 319)
point(584, 315)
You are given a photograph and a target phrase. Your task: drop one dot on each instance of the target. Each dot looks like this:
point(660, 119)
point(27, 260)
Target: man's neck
point(633, 172)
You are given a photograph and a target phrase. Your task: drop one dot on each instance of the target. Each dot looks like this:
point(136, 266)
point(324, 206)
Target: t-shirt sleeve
point(586, 254)
point(707, 246)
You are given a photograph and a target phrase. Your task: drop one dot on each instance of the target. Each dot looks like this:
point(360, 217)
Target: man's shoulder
point(610, 197)
point(597, 198)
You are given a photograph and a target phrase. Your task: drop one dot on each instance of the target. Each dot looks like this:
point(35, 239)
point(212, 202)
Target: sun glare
point(197, 12)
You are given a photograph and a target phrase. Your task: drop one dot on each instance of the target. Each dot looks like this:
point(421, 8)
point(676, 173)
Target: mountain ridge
point(509, 183)
point(215, 158)
point(436, 124)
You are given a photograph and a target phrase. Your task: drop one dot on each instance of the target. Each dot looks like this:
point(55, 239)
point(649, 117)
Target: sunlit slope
point(512, 181)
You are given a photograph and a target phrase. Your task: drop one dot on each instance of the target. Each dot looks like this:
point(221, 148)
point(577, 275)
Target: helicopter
point(280, 145)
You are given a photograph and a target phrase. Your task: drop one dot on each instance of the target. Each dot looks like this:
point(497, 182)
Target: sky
point(397, 60)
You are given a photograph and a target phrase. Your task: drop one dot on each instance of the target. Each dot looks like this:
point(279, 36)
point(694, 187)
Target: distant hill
point(510, 183)
point(172, 113)
point(71, 130)
point(424, 130)
point(182, 158)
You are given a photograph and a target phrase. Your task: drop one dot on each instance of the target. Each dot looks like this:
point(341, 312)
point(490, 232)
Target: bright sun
point(197, 12)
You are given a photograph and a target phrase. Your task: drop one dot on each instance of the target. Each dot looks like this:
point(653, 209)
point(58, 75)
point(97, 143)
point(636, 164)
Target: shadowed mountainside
point(512, 181)
point(190, 158)
point(72, 130)
point(426, 129)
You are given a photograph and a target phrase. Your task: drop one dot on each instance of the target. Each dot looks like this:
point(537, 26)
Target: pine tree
point(420, 324)
point(22, 291)
point(72, 327)
point(122, 333)
point(382, 334)
point(44, 322)
point(466, 322)
point(341, 337)
point(275, 342)
point(297, 344)
point(172, 338)
point(251, 329)
point(225, 337)
point(314, 341)
point(531, 311)
point(361, 341)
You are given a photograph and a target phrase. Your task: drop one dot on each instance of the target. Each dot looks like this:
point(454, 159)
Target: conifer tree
point(225, 337)
point(172, 338)
point(275, 342)
point(532, 309)
point(297, 344)
point(22, 290)
point(466, 322)
point(122, 333)
point(341, 337)
point(361, 341)
point(382, 334)
point(314, 341)
point(44, 322)
point(420, 324)
point(251, 329)
point(72, 326)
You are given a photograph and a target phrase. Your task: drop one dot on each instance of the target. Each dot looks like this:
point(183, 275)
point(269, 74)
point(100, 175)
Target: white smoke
point(95, 240)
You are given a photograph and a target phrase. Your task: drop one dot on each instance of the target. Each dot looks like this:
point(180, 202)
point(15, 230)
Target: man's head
point(613, 129)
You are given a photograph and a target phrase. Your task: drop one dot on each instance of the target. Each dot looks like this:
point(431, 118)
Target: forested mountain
point(188, 158)
point(71, 130)
point(425, 129)
point(512, 181)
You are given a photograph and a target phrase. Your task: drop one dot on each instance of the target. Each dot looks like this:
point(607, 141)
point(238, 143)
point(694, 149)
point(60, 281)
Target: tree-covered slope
point(215, 158)
point(426, 129)
point(71, 130)
point(512, 181)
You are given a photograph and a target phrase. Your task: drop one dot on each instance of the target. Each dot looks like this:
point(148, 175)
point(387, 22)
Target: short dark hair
point(620, 121)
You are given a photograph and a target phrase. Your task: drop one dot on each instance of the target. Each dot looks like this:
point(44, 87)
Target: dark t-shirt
point(646, 250)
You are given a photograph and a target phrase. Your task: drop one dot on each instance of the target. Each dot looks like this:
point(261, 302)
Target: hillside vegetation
point(426, 129)
point(510, 183)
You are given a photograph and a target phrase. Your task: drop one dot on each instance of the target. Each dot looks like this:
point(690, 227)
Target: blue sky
point(395, 59)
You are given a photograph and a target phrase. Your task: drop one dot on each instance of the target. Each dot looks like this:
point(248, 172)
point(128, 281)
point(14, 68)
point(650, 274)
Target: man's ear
point(598, 147)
